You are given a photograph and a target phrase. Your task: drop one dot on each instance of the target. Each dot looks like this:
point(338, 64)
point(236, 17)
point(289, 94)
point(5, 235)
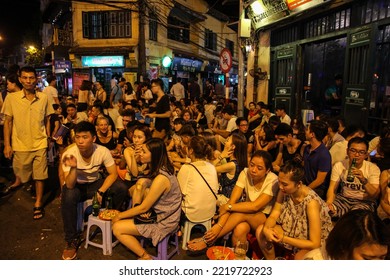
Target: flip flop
point(197, 252)
point(39, 212)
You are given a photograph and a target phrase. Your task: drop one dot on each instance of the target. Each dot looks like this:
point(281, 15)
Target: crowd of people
point(168, 158)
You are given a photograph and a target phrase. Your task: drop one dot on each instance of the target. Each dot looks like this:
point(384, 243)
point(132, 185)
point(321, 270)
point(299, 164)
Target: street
point(22, 238)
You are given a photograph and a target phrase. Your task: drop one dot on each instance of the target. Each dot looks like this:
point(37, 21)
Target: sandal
point(39, 212)
point(197, 247)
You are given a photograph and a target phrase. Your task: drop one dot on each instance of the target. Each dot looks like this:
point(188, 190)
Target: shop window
point(210, 40)
point(106, 24)
point(178, 30)
point(372, 10)
point(152, 27)
point(336, 21)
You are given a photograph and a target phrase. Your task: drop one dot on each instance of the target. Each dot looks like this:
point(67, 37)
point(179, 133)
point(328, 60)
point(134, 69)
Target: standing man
point(117, 92)
point(177, 90)
point(316, 158)
point(163, 110)
point(51, 90)
point(26, 114)
point(194, 89)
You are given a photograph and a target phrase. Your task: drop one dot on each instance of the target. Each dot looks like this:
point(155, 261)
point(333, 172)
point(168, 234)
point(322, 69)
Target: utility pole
point(141, 42)
point(241, 67)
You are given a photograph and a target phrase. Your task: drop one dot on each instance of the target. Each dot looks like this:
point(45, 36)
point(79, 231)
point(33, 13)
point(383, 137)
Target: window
point(210, 40)
point(152, 27)
point(230, 46)
point(107, 24)
point(178, 30)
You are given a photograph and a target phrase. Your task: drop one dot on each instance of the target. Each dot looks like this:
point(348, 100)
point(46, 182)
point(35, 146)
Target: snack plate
point(108, 214)
point(220, 253)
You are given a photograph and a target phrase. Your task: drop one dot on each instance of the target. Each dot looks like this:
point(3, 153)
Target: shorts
point(30, 164)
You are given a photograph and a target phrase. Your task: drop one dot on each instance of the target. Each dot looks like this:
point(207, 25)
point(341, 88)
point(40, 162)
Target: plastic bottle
point(350, 176)
point(95, 205)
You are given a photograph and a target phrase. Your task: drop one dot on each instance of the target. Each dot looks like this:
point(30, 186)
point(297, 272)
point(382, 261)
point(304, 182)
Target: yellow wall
point(78, 8)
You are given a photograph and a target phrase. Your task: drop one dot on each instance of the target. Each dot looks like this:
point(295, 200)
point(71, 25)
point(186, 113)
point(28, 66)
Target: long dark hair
point(241, 149)
point(159, 158)
point(354, 229)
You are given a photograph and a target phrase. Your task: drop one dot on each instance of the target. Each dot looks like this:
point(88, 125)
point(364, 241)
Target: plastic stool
point(81, 206)
point(105, 226)
point(163, 247)
point(188, 225)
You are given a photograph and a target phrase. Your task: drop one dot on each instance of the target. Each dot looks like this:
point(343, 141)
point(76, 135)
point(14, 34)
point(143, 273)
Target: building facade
point(311, 42)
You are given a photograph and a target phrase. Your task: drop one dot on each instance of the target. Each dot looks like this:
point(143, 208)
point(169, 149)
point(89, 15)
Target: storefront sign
point(102, 61)
point(355, 96)
point(186, 64)
point(265, 12)
point(62, 66)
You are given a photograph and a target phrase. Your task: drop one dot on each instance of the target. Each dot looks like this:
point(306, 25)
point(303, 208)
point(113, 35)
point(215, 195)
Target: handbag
point(205, 181)
point(152, 219)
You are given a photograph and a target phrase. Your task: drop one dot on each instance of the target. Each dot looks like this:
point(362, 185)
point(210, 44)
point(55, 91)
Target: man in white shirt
point(359, 193)
point(177, 90)
point(51, 90)
point(222, 135)
point(280, 111)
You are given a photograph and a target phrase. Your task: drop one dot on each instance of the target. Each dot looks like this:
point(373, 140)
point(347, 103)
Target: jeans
point(81, 192)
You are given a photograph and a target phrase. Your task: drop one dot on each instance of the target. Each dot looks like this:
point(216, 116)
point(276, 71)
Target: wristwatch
point(230, 207)
point(100, 192)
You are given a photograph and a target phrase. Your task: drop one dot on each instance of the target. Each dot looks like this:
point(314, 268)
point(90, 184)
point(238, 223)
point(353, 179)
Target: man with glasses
point(363, 191)
point(243, 128)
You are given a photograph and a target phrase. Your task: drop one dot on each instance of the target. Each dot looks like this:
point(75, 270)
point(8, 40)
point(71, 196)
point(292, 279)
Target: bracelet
point(220, 225)
point(100, 192)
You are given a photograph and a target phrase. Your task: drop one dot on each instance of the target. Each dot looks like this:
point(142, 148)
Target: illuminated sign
point(102, 61)
point(292, 4)
point(265, 12)
point(186, 64)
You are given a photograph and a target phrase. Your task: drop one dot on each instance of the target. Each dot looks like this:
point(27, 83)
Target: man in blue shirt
point(317, 159)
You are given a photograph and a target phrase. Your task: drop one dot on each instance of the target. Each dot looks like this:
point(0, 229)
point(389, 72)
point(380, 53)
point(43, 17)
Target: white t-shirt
point(89, 172)
point(177, 91)
point(286, 119)
point(338, 152)
point(231, 124)
point(198, 203)
point(270, 187)
point(51, 93)
point(355, 189)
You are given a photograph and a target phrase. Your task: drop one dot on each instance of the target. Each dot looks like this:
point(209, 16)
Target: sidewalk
point(22, 238)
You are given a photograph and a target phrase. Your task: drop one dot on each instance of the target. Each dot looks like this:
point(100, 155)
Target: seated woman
point(210, 140)
point(160, 192)
point(299, 220)
point(235, 153)
point(260, 185)
point(132, 163)
point(265, 140)
point(358, 235)
point(199, 193)
point(105, 136)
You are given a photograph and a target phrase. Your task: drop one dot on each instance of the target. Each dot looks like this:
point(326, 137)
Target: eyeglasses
point(361, 152)
point(244, 124)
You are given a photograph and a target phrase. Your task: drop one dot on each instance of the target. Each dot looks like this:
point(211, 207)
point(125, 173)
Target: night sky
point(19, 22)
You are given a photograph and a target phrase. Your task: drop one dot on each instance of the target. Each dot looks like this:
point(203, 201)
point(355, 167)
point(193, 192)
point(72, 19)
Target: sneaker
point(70, 252)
